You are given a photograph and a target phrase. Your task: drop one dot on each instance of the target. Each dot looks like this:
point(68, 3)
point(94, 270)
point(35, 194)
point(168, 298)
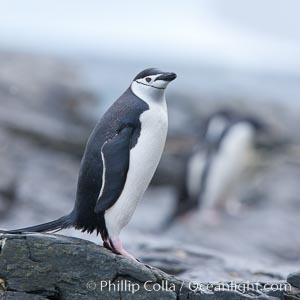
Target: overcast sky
point(251, 34)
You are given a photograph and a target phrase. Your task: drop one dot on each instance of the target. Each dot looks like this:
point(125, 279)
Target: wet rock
point(294, 279)
point(53, 88)
point(44, 130)
point(48, 266)
point(44, 189)
point(58, 267)
point(52, 106)
point(8, 174)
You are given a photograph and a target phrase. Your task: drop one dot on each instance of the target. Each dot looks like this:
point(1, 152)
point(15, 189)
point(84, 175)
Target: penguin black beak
point(166, 77)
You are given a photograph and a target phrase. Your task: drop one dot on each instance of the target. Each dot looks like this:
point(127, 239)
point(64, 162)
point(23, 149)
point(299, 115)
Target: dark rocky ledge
point(48, 266)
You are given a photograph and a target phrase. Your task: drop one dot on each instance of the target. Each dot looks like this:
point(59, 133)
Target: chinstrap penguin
point(217, 162)
point(234, 154)
point(197, 163)
point(120, 158)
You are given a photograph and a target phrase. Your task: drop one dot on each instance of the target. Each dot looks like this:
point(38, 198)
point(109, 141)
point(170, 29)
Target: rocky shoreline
point(51, 266)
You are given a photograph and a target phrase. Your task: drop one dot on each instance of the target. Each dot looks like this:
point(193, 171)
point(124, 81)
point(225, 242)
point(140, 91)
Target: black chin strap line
point(150, 85)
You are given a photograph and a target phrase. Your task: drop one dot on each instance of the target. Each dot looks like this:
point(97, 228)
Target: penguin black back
point(128, 107)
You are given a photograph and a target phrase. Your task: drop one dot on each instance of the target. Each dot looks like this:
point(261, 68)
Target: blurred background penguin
point(226, 160)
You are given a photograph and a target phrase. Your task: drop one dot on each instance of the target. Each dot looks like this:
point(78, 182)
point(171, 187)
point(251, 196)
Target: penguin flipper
point(115, 159)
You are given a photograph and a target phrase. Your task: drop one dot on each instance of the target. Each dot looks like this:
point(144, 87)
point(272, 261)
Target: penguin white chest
point(143, 161)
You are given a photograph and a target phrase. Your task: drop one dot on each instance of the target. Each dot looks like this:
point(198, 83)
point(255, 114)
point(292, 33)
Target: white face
point(153, 82)
point(150, 88)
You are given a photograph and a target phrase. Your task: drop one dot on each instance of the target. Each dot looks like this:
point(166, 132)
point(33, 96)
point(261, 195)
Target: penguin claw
point(107, 246)
point(149, 267)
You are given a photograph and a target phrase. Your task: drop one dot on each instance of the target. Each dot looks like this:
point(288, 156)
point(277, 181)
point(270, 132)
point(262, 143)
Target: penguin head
point(215, 127)
point(151, 83)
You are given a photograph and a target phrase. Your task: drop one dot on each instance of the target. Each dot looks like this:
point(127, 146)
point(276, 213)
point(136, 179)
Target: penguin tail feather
point(57, 225)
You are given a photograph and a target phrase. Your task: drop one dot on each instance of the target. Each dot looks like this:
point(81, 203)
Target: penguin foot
point(117, 248)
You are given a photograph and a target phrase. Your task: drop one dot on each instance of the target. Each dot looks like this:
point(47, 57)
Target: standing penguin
point(216, 165)
point(119, 161)
point(234, 154)
point(197, 164)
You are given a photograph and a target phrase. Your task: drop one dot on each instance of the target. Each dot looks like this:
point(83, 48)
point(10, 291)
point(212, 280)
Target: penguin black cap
point(167, 76)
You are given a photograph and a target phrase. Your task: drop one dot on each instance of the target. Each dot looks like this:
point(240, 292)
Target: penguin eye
point(148, 79)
